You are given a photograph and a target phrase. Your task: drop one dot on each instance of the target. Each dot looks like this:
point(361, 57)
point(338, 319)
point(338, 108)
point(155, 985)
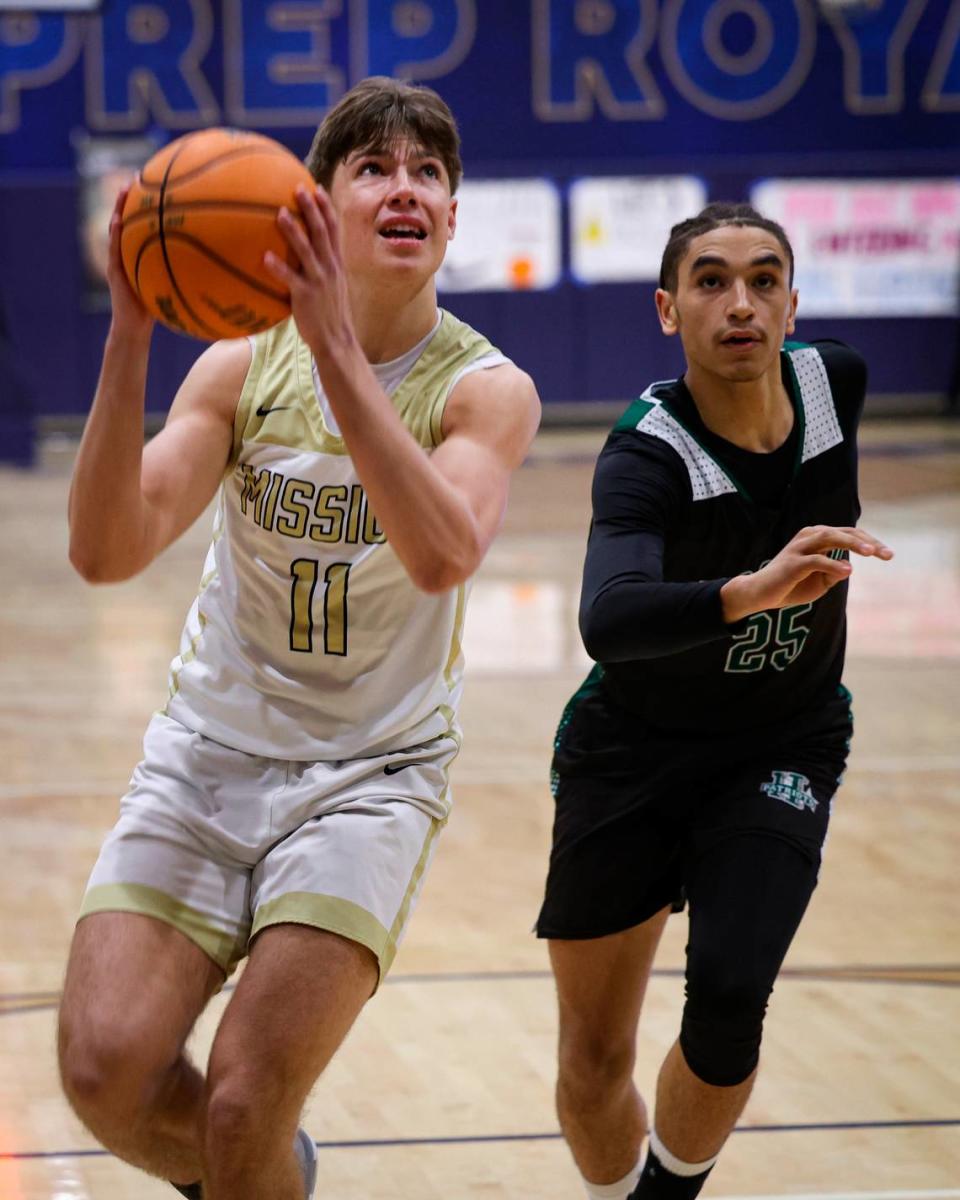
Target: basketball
point(196, 224)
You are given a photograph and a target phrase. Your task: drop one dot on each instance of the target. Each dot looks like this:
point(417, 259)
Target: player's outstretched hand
point(129, 315)
point(802, 572)
point(318, 286)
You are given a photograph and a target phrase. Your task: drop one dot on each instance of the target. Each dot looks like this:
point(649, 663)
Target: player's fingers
point(817, 538)
point(119, 203)
point(810, 564)
point(280, 270)
point(115, 227)
point(293, 229)
point(868, 544)
point(329, 216)
point(316, 224)
point(829, 581)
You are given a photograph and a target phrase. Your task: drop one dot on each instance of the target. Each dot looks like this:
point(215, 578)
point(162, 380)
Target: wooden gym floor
point(444, 1089)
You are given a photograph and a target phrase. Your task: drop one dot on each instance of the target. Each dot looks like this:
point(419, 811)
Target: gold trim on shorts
point(225, 951)
point(337, 915)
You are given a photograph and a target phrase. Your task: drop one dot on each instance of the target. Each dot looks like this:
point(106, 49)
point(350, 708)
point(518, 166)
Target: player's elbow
point(594, 642)
point(599, 640)
point(435, 577)
point(436, 572)
point(95, 567)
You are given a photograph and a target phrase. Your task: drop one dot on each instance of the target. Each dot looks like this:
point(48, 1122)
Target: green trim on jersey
point(635, 413)
point(649, 410)
point(278, 402)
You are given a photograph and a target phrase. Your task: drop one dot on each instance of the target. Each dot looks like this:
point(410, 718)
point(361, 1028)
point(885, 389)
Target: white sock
point(613, 1191)
point(673, 1164)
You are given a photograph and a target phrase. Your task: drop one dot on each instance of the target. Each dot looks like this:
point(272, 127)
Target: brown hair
point(713, 217)
point(375, 114)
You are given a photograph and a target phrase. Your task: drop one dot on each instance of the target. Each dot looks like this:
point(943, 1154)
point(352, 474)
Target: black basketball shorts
point(638, 809)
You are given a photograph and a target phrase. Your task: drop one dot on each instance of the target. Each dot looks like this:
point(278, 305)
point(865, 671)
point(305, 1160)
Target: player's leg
point(331, 901)
point(601, 984)
point(752, 870)
point(613, 874)
point(164, 918)
point(134, 988)
point(294, 1004)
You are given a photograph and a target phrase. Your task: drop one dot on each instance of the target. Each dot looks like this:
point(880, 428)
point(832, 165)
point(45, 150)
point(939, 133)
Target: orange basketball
point(196, 225)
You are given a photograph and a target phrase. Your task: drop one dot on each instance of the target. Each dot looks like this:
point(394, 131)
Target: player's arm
point(440, 511)
point(627, 610)
point(129, 501)
point(488, 424)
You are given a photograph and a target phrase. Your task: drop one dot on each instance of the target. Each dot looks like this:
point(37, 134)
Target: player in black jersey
point(699, 759)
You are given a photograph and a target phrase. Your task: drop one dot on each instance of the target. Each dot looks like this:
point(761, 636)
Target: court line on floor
point(913, 1194)
point(552, 1136)
point(898, 976)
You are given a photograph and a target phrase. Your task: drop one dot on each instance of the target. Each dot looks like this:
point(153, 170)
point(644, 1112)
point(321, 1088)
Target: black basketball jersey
point(677, 511)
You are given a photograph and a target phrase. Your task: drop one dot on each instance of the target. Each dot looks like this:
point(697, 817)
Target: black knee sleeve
point(722, 1027)
point(747, 896)
point(722, 1051)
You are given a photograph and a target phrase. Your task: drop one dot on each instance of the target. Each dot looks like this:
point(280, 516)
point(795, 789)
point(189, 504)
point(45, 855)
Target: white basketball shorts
point(221, 844)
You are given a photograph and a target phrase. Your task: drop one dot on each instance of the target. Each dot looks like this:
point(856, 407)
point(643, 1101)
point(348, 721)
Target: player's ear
point(452, 220)
point(792, 311)
point(667, 311)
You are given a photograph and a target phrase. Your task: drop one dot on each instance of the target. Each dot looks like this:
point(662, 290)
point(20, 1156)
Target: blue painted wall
point(730, 91)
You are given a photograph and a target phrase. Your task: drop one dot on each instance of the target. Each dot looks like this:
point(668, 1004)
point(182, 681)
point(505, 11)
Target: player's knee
point(592, 1067)
point(235, 1106)
point(723, 1023)
point(231, 1114)
point(104, 1069)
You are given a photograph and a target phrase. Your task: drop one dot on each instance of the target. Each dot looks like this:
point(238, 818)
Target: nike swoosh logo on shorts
point(392, 769)
point(265, 412)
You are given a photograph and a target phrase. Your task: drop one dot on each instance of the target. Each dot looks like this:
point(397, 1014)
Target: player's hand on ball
point(318, 287)
point(801, 573)
point(129, 315)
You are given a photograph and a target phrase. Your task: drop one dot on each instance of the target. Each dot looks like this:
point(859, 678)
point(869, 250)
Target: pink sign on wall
point(870, 248)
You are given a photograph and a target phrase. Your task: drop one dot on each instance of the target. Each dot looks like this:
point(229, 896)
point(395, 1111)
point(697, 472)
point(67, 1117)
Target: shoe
point(306, 1151)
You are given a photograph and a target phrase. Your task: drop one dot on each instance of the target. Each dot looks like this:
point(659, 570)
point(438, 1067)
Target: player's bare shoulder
point(499, 405)
point(215, 381)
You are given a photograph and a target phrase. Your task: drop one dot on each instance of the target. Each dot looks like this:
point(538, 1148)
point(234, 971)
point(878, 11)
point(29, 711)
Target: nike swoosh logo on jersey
point(393, 768)
point(265, 412)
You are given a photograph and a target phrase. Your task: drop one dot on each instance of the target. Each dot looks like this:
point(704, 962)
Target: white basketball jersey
point(307, 639)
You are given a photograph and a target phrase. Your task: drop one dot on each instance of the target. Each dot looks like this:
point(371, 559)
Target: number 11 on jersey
point(305, 573)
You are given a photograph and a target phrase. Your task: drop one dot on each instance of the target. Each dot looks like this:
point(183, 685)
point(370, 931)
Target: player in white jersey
point(290, 793)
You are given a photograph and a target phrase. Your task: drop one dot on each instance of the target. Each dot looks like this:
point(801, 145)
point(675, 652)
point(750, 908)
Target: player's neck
point(756, 415)
point(388, 325)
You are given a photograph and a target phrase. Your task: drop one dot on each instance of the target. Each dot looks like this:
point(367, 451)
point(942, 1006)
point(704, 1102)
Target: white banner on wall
point(870, 248)
point(508, 237)
point(619, 226)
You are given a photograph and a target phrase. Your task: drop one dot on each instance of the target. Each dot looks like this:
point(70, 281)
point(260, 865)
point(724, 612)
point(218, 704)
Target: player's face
point(733, 305)
point(395, 208)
